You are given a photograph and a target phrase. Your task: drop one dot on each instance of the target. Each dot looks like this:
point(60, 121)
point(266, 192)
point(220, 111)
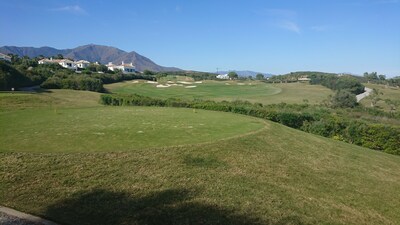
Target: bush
point(12, 78)
point(344, 99)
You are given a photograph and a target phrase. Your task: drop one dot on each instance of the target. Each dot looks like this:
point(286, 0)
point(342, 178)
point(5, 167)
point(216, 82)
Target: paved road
point(10, 216)
point(363, 95)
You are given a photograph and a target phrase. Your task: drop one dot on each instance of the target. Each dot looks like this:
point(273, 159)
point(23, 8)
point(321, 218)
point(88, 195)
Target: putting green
point(116, 128)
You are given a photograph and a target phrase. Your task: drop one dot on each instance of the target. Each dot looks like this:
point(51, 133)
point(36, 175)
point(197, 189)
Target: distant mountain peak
point(92, 53)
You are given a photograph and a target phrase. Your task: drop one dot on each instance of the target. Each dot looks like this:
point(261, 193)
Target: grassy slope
point(253, 91)
point(116, 128)
point(48, 99)
point(391, 93)
point(276, 176)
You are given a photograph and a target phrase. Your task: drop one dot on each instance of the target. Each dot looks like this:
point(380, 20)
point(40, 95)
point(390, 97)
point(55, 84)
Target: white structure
point(303, 79)
point(82, 64)
point(125, 68)
point(47, 61)
point(223, 76)
point(5, 57)
point(66, 63)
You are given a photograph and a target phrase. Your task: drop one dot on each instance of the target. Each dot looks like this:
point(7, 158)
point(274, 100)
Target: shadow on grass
point(166, 207)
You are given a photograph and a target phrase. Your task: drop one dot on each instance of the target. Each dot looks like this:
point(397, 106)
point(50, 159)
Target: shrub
point(344, 99)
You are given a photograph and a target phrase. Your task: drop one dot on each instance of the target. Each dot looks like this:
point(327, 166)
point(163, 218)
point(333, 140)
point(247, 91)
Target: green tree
point(148, 72)
point(260, 76)
point(233, 75)
point(59, 56)
point(344, 99)
point(350, 83)
point(375, 97)
point(382, 77)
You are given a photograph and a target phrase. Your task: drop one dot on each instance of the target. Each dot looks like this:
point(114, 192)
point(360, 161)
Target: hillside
point(276, 175)
point(92, 53)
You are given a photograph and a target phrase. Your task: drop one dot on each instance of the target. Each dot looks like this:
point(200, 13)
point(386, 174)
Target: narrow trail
point(363, 95)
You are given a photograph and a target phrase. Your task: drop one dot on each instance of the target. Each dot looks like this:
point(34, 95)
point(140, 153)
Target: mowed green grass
point(273, 175)
point(51, 99)
point(253, 91)
point(276, 176)
point(116, 128)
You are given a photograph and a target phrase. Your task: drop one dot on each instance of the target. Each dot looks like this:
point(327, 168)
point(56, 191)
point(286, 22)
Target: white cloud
point(71, 9)
point(289, 25)
point(282, 18)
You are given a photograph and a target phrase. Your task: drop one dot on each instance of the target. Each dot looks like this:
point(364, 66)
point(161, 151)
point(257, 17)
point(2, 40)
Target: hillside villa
point(304, 78)
point(66, 63)
point(5, 57)
point(82, 64)
point(125, 68)
point(223, 76)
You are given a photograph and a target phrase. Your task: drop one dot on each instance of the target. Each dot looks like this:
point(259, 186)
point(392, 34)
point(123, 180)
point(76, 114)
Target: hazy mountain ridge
point(245, 73)
point(93, 53)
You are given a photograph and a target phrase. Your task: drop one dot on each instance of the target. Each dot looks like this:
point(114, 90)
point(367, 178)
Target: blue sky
point(268, 36)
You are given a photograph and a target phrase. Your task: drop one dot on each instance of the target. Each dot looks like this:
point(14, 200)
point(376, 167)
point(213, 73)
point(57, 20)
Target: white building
point(303, 79)
point(5, 57)
point(125, 68)
point(66, 63)
point(223, 76)
point(82, 64)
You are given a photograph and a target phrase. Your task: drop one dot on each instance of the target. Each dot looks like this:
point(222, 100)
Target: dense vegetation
point(197, 76)
point(374, 78)
point(337, 83)
point(294, 76)
point(25, 72)
point(304, 117)
point(66, 79)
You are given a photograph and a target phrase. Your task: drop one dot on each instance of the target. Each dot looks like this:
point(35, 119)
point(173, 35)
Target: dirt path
point(363, 95)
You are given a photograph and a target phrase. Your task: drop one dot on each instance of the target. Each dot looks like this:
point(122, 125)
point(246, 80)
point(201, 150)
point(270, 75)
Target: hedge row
point(291, 119)
point(378, 137)
point(92, 82)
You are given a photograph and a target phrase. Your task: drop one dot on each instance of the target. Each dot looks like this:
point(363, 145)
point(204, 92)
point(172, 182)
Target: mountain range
point(92, 53)
point(245, 73)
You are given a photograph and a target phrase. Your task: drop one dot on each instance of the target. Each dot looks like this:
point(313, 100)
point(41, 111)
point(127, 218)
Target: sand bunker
point(170, 82)
point(163, 86)
point(241, 84)
point(227, 84)
point(190, 86)
point(198, 82)
point(152, 82)
point(185, 82)
point(135, 82)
